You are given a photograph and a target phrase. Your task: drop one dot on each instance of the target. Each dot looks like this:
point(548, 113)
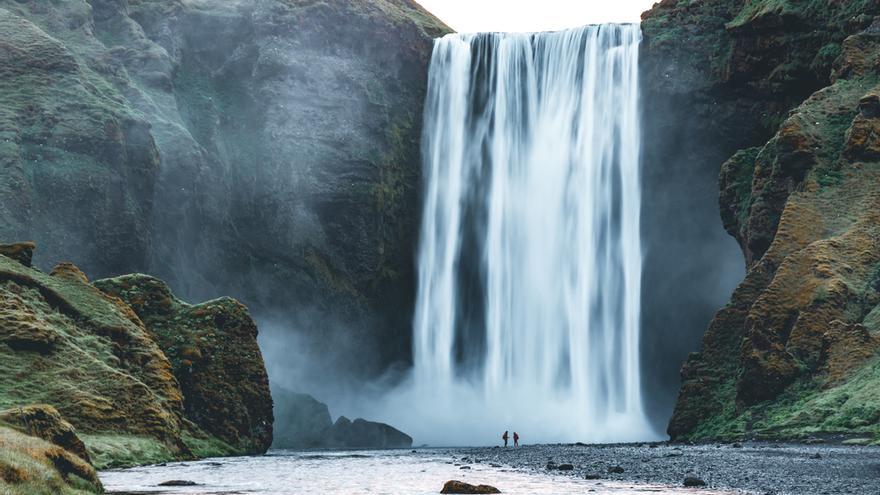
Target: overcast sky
point(533, 15)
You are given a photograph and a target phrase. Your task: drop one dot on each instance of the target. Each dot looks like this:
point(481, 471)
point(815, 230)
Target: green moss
point(726, 424)
point(805, 409)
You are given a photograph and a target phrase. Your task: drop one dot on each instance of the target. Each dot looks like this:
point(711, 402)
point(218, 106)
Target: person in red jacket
point(515, 439)
point(505, 437)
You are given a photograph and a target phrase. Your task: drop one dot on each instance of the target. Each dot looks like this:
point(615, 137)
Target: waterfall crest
point(530, 255)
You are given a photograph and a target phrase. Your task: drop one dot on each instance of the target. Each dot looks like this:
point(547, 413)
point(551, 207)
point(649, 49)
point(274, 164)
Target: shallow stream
point(363, 472)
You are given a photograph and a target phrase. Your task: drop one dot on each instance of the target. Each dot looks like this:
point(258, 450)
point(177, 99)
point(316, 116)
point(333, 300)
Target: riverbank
point(762, 468)
point(398, 472)
point(751, 468)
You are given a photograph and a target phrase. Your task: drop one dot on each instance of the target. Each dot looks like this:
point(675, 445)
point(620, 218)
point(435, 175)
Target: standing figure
point(505, 437)
point(515, 439)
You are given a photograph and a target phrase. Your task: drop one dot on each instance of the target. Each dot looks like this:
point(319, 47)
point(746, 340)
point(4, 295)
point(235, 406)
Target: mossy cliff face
point(67, 345)
point(264, 149)
point(795, 351)
point(214, 355)
point(719, 77)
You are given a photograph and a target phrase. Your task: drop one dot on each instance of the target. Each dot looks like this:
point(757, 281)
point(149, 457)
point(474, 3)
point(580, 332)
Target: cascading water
point(527, 312)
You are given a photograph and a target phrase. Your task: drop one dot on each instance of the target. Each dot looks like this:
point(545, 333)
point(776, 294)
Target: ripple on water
point(378, 472)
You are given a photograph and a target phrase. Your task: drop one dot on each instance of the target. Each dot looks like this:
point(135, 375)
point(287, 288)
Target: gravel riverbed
point(760, 468)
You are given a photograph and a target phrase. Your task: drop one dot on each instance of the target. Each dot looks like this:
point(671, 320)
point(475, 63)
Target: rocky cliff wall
point(68, 345)
point(265, 149)
point(783, 90)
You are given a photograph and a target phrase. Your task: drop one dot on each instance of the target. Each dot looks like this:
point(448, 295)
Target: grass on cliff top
point(26, 469)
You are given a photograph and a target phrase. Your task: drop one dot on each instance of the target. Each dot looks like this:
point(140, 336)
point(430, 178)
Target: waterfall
point(527, 311)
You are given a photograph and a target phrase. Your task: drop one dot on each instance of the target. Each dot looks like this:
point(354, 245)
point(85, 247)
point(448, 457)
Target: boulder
point(178, 483)
point(455, 486)
point(693, 482)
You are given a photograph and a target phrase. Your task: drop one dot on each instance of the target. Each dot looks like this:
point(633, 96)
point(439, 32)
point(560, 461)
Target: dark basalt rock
point(306, 424)
point(363, 434)
point(461, 487)
point(178, 483)
point(693, 482)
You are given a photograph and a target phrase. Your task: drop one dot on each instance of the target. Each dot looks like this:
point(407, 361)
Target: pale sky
point(533, 15)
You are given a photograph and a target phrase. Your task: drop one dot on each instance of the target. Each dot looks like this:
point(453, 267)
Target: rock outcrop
point(265, 149)
point(787, 90)
point(307, 424)
point(88, 356)
point(214, 355)
point(363, 434)
point(305, 421)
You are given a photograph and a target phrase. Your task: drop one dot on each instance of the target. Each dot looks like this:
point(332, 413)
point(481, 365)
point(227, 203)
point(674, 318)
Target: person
point(505, 437)
point(515, 439)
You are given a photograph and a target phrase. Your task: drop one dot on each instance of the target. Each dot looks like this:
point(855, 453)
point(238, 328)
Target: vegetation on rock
point(795, 352)
point(78, 352)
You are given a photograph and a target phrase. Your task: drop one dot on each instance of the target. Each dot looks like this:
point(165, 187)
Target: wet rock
point(693, 482)
point(615, 470)
point(816, 456)
point(461, 487)
point(565, 467)
point(593, 476)
point(178, 483)
point(551, 465)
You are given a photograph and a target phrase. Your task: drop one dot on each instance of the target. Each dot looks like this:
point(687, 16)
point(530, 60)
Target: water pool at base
point(362, 472)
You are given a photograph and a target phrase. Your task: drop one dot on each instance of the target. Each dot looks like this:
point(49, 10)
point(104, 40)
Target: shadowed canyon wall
point(782, 93)
point(263, 149)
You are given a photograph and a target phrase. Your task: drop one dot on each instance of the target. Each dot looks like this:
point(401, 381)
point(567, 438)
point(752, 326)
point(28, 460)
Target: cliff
point(76, 352)
point(788, 92)
point(265, 149)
